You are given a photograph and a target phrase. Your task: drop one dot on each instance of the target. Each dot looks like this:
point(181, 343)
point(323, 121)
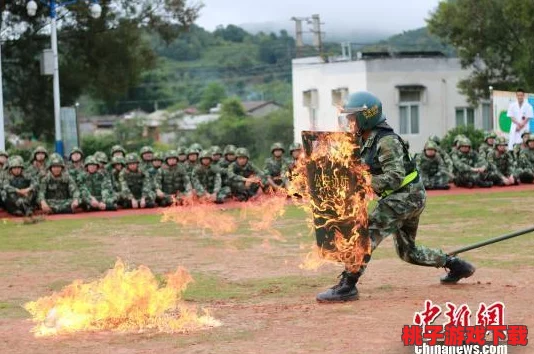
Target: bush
point(93, 143)
point(475, 135)
point(26, 151)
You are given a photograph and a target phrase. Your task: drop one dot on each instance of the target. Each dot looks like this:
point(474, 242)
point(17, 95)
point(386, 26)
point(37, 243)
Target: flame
point(201, 215)
point(336, 196)
point(263, 213)
point(122, 300)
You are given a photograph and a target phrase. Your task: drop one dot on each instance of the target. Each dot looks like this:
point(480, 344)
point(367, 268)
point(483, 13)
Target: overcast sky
point(385, 15)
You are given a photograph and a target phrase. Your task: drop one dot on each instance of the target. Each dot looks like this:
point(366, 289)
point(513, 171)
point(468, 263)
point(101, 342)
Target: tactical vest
point(429, 165)
point(93, 182)
point(57, 188)
point(274, 167)
point(206, 177)
point(245, 171)
point(19, 182)
point(135, 182)
point(173, 179)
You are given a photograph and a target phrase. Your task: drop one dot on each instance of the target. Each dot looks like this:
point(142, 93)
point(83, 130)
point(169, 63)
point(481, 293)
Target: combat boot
point(458, 269)
point(485, 184)
point(344, 291)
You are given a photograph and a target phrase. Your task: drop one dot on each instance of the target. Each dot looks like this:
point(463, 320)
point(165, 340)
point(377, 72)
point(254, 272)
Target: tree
point(231, 33)
point(102, 57)
point(213, 94)
point(493, 37)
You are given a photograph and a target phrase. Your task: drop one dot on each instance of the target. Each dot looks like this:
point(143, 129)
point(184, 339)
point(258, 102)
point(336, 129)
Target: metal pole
point(2, 134)
point(57, 104)
point(492, 240)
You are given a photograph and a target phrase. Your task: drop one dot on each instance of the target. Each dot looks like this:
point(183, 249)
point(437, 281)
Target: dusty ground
point(266, 303)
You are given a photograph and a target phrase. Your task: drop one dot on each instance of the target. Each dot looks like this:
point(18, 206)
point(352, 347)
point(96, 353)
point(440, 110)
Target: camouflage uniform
point(97, 185)
point(115, 149)
point(525, 163)
point(486, 147)
point(182, 155)
point(520, 147)
point(190, 165)
point(3, 173)
point(216, 153)
point(146, 163)
point(76, 169)
point(206, 179)
point(59, 192)
point(35, 168)
point(463, 165)
point(114, 174)
point(14, 202)
point(173, 181)
point(238, 174)
point(444, 155)
point(433, 170)
point(274, 167)
point(135, 185)
point(502, 164)
point(153, 170)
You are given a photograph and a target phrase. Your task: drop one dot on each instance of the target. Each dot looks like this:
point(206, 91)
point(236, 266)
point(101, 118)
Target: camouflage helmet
point(39, 149)
point(131, 158)
point(431, 145)
point(158, 156)
point(229, 150)
point(75, 150)
point(192, 151)
point(4, 153)
point(196, 146)
point(145, 149)
point(216, 150)
point(171, 154)
point(457, 138)
point(435, 139)
point(15, 161)
point(464, 142)
point(489, 135)
point(501, 141)
point(56, 160)
point(117, 160)
point(277, 146)
point(117, 148)
point(295, 146)
point(367, 109)
point(181, 150)
point(206, 154)
point(242, 152)
point(101, 157)
point(530, 137)
point(90, 160)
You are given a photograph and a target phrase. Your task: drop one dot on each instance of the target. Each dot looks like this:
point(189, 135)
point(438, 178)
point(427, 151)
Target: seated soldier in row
point(19, 189)
point(58, 192)
point(525, 164)
point(96, 188)
point(206, 179)
point(135, 185)
point(245, 178)
point(273, 169)
point(432, 168)
point(470, 169)
point(172, 183)
point(502, 172)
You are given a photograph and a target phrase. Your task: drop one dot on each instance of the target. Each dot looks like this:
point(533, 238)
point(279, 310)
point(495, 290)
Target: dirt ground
point(268, 321)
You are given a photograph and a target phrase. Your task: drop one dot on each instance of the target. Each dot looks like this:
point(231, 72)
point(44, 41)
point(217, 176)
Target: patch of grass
point(12, 310)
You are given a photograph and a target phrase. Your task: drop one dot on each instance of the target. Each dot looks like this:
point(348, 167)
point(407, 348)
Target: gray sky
point(384, 15)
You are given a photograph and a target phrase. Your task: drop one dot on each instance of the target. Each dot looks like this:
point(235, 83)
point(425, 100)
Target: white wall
point(324, 77)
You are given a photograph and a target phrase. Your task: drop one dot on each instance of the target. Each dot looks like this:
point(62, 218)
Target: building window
point(487, 119)
point(409, 105)
point(339, 96)
point(465, 116)
point(311, 101)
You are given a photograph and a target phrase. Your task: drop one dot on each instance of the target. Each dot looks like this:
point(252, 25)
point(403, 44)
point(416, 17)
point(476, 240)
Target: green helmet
point(101, 157)
point(295, 146)
point(158, 156)
point(431, 145)
point(90, 160)
point(530, 137)
point(56, 160)
point(277, 146)
point(206, 154)
point(75, 150)
point(192, 151)
point(216, 150)
point(171, 154)
point(435, 139)
point(464, 142)
point(501, 141)
point(242, 152)
point(39, 149)
point(145, 149)
point(131, 158)
point(366, 107)
point(15, 161)
point(229, 150)
point(3, 153)
point(116, 148)
point(489, 135)
point(457, 138)
point(196, 146)
point(181, 150)
point(117, 160)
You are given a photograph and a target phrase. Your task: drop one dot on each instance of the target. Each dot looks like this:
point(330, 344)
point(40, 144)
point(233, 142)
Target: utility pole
point(299, 43)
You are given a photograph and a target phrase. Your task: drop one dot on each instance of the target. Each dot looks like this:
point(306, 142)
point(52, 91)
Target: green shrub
point(475, 135)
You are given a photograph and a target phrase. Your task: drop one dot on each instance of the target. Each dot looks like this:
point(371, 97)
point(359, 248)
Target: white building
point(419, 93)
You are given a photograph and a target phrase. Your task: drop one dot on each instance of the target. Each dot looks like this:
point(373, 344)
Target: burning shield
point(337, 189)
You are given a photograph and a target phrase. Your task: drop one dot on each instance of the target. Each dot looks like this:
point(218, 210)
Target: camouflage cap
point(117, 160)
point(131, 158)
point(530, 137)
point(116, 148)
point(206, 154)
point(101, 157)
point(216, 150)
point(171, 154)
point(229, 150)
point(181, 150)
point(76, 150)
point(56, 160)
point(489, 135)
point(242, 152)
point(277, 146)
point(158, 156)
point(435, 139)
point(431, 145)
point(192, 151)
point(39, 149)
point(4, 153)
point(90, 160)
point(196, 146)
point(15, 161)
point(146, 149)
point(464, 142)
point(458, 137)
point(295, 146)
point(501, 141)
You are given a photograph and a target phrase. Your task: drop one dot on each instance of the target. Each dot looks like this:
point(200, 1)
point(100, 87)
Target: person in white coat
point(520, 112)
